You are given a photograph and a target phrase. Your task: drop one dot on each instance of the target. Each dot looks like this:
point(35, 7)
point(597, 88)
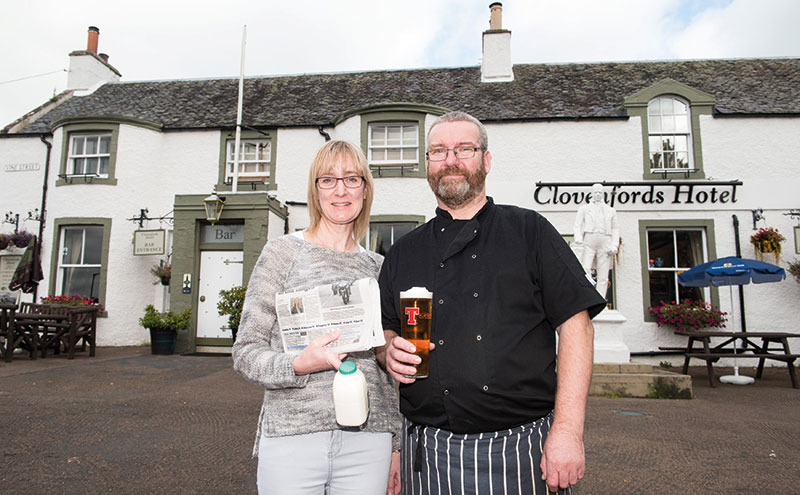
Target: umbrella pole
point(735, 379)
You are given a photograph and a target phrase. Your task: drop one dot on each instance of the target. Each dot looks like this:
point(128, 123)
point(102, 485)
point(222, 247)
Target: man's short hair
point(457, 116)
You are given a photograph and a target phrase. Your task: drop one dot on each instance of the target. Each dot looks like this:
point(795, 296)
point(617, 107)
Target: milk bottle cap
point(347, 368)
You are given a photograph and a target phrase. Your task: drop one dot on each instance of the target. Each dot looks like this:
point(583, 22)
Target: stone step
point(636, 380)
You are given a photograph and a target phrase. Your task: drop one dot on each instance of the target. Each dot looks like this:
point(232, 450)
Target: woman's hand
point(394, 475)
point(317, 357)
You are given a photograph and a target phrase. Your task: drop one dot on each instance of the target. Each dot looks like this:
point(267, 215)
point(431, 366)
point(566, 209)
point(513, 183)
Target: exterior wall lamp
point(213, 205)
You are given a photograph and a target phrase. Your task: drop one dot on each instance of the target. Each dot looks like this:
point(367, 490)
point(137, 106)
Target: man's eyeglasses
point(460, 152)
point(351, 181)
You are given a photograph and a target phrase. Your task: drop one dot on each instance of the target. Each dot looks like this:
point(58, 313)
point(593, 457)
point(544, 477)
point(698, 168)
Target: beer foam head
point(416, 293)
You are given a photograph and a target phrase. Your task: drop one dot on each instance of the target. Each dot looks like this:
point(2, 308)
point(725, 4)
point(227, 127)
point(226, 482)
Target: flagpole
point(237, 144)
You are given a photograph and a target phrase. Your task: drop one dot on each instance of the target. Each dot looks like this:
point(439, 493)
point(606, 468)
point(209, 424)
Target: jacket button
point(474, 256)
point(446, 392)
point(475, 294)
point(441, 342)
point(478, 337)
point(441, 265)
point(485, 388)
point(441, 301)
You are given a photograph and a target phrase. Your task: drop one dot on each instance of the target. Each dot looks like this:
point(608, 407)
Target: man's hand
point(317, 357)
point(563, 460)
point(400, 358)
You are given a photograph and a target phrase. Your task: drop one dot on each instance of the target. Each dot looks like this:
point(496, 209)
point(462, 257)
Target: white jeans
point(343, 462)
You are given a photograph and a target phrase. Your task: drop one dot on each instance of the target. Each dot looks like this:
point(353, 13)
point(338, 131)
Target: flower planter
point(162, 341)
point(164, 280)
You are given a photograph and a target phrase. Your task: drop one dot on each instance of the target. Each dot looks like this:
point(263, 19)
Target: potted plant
point(164, 328)
point(4, 241)
point(230, 303)
point(162, 271)
point(688, 315)
point(767, 241)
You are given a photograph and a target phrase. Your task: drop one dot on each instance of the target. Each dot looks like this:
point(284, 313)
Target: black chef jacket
point(501, 282)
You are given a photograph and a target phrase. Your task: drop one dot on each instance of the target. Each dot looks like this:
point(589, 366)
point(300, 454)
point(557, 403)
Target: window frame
point(391, 219)
point(707, 226)
point(69, 131)
point(55, 264)
point(400, 164)
point(269, 135)
point(699, 103)
point(395, 117)
point(675, 134)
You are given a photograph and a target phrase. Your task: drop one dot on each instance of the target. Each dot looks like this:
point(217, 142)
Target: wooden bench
point(752, 349)
point(39, 327)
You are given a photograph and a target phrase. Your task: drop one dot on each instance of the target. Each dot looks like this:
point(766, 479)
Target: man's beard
point(455, 193)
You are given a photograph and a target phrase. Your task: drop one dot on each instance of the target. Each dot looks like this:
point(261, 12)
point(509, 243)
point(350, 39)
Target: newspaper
point(352, 307)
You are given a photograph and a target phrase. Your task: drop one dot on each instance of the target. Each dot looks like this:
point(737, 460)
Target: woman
point(299, 445)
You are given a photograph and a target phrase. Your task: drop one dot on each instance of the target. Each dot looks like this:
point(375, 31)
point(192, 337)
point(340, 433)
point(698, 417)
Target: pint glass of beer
point(416, 304)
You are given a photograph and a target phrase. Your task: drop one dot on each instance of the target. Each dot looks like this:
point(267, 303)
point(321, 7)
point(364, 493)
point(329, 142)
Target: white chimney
point(87, 69)
point(496, 62)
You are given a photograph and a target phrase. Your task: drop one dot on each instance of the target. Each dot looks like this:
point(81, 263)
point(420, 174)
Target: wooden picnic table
point(37, 328)
point(758, 345)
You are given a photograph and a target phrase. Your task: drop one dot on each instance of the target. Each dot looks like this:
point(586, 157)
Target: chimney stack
point(87, 68)
point(91, 45)
point(496, 61)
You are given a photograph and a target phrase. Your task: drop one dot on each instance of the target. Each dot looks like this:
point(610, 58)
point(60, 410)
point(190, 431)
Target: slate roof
point(539, 91)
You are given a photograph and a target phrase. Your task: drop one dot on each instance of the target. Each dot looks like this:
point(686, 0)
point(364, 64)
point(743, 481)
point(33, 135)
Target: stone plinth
point(608, 344)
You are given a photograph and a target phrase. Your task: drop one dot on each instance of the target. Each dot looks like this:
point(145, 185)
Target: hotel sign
point(147, 242)
point(639, 193)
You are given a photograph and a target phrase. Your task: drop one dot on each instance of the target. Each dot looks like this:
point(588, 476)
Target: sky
point(178, 39)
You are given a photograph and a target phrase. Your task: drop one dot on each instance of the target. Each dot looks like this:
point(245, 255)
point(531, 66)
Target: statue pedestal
point(608, 344)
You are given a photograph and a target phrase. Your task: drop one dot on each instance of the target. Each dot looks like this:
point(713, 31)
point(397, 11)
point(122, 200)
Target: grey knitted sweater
point(304, 404)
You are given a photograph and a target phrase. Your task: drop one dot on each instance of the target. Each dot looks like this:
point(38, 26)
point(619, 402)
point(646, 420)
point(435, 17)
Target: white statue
point(597, 237)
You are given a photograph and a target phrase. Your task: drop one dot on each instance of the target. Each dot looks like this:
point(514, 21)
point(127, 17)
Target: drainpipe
point(741, 287)
point(43, 210)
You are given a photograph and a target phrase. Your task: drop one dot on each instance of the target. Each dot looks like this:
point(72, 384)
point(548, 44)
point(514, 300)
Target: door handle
point(202, 298)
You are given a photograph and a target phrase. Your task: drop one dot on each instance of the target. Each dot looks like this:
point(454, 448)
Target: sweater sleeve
point(258, 353)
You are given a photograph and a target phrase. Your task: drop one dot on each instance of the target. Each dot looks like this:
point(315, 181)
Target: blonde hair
point(326, 160)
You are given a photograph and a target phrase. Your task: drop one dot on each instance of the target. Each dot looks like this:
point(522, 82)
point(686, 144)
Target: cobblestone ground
point(126, 421)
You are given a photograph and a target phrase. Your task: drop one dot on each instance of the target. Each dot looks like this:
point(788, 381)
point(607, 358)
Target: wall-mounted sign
point(186, 283)
point(638, 193)
point(216, 234)
point(147, 242)
point(21, 167)
point(8, 265)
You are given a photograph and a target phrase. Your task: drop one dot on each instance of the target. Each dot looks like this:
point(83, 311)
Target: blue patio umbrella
point(732, 271)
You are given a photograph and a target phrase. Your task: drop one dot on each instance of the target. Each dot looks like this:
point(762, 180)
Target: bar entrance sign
point(148, 242)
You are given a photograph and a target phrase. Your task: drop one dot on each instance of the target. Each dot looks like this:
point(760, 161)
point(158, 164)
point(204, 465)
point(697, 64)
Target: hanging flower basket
point(163, 272)
point(767, 241)
point(21, 239)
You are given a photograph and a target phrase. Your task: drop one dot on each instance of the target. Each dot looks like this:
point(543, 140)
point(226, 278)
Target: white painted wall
point(153, 167)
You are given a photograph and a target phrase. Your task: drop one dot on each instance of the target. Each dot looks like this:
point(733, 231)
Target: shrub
point(688, 315)
point(169, 321)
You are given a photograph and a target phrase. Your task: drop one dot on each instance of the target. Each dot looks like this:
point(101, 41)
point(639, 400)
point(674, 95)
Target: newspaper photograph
point(352, 307)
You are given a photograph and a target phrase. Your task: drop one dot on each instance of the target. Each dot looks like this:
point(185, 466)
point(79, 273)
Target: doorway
point(219, 270)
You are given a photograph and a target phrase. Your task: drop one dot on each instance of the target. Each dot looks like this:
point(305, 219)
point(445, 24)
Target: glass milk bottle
point(350, 396)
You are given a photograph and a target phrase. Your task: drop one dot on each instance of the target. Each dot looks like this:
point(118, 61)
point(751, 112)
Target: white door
point(219, 270)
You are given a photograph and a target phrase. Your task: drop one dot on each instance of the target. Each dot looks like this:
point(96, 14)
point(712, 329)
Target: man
point(597, 237)
point(503, 283)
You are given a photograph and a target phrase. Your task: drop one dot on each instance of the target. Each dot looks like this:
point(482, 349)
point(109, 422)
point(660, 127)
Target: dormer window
point(669, 126)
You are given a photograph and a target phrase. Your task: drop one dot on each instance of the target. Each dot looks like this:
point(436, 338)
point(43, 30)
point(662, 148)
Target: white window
point(393, 145)
point(79, 263)
point(382, 235)
point(670, 252)
point(669, 130)
point(89, 154)
point(254, 160)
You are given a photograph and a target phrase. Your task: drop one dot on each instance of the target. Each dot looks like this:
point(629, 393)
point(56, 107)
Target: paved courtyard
point(128, 422)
